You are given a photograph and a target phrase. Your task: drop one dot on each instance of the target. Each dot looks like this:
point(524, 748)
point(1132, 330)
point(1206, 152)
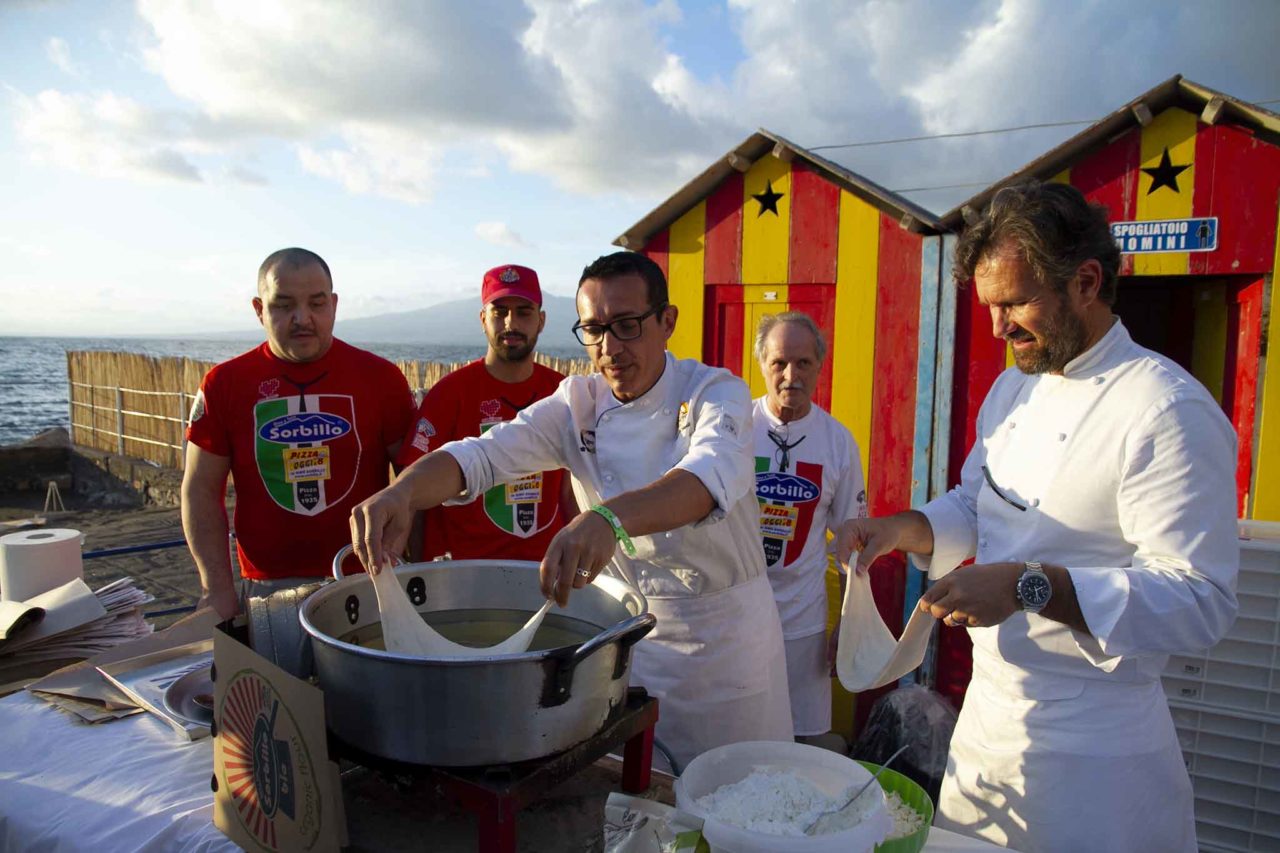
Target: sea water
point(33, 371)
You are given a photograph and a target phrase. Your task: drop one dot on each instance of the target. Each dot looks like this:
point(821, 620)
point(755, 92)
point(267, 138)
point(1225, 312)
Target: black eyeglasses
point(992, 483)
point(624, 328)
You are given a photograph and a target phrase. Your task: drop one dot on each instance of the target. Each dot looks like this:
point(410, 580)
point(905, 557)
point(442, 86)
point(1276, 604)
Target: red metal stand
point(496, 794)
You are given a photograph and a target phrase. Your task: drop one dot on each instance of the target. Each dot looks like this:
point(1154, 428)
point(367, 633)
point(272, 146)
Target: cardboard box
point(274, 785)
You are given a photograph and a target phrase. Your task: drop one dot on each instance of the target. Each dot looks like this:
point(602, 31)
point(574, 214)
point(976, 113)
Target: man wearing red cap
point(514, 521)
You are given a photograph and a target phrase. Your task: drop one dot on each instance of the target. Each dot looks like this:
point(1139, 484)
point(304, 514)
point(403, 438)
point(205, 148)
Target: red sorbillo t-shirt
point(307, 442)
point(514, 522)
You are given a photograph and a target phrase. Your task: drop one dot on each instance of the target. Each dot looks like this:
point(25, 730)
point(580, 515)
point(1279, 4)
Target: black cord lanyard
point(784, 449)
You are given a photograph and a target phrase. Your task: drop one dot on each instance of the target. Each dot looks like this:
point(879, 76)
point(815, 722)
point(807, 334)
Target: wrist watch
point(1033, 589)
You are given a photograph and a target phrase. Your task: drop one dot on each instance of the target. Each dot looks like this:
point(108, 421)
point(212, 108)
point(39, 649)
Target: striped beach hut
point(1191, 178)
point(772, 227)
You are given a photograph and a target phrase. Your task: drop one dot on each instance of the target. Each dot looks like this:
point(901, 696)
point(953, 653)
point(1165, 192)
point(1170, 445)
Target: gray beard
point(1062, 340)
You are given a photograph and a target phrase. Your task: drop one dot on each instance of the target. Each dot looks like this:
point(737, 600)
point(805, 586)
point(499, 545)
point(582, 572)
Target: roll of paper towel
point(36, 561)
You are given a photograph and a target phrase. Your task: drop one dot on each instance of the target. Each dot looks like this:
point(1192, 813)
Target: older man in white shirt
point(1099, 505)
point(659, 449)
point(808, 481)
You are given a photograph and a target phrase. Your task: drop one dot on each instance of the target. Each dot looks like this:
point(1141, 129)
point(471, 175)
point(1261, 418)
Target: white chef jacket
point(1126, 467)
point(715, 657)
point(821, 488)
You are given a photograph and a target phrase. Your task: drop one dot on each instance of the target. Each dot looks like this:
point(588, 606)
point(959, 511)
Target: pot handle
point(559, 669)
point(342, 555)
point(625, 633)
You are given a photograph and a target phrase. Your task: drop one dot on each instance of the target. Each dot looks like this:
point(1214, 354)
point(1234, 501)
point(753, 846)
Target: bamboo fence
point(137, 405)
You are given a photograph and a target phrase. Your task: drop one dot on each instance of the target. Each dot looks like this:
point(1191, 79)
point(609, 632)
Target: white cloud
point(59, 53)
point(104, 135)
point(500, 234)
point(376, 97)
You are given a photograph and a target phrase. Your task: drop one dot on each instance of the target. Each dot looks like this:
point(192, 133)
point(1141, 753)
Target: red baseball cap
point(511, 280)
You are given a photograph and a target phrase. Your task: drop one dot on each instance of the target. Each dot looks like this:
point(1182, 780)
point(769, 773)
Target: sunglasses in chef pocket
point(986, 472)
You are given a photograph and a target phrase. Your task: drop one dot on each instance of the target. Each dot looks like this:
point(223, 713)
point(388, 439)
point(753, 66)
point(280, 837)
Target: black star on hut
point(1166, 174)
point(768, 199)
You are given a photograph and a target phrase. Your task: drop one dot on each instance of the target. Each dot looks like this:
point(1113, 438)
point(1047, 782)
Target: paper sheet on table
point(65, 607)
point(15, 616)
point(868, 656)
point(83, 681)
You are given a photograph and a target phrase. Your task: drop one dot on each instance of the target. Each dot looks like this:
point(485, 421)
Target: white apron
point(1042, 776)
point(717, 666)
point(809, 679)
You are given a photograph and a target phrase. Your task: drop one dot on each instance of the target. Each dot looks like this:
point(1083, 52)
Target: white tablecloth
point(134, 785)
point(131, 784)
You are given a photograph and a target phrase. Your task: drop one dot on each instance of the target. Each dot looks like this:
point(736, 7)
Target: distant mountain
point(448, 324)
point(456, 323)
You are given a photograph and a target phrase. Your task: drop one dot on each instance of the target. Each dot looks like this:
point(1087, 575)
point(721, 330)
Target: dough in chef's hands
point(868, 656)
point(405, 632)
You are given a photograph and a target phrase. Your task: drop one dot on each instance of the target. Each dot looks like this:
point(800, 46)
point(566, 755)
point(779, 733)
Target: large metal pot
point(471, 711)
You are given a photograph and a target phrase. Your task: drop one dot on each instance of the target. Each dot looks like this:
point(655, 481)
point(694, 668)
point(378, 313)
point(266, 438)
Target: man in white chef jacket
point(659, 450)
point(808, 481)
point(1098, 503)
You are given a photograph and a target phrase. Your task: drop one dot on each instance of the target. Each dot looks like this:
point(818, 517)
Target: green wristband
point(618, 533)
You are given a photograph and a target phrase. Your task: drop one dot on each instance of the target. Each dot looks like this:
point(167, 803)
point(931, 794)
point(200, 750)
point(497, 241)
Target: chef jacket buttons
point(1035, 502)
point(1098, 380)
point(1062, 436)
point(608, 478)
point(1012, 425)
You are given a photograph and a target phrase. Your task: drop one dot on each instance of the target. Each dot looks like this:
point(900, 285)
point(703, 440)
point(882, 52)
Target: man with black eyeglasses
point(659, 451)
point(1098, 503)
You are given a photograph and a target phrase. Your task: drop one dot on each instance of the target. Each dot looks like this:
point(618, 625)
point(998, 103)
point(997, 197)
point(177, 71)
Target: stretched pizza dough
point(405, 632)
point(868, 656)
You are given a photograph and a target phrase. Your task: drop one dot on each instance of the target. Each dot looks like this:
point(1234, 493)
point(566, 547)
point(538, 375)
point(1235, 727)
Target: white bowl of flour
point(758, 797)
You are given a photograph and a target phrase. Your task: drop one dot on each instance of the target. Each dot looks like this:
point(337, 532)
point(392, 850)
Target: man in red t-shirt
point(517, 521)
point(306, 425)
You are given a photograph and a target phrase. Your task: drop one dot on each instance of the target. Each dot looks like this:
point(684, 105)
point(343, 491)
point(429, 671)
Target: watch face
point(1034, 590)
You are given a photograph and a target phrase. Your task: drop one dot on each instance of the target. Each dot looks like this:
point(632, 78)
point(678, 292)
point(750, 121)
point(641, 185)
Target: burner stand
point(494, 794)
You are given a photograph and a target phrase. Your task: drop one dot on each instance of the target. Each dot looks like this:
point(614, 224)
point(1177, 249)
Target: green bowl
point(912, 795)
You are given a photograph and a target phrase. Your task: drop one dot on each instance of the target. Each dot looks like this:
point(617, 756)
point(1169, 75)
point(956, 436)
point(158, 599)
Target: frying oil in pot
point(488, 627)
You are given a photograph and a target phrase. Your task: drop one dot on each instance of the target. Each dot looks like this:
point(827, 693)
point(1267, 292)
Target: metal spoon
point(808, 830)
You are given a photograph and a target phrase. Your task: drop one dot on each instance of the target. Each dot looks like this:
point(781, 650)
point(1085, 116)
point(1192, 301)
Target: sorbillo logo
point(303, 427)
point(775, 486)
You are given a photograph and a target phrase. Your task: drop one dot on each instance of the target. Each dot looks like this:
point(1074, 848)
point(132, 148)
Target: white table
point(135, 785)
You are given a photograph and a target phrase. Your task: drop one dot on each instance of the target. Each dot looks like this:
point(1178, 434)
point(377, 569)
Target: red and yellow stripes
point(766, 235)
point(1170, 140)
point(1266, 479)
point(853, 361)
point(686, 259)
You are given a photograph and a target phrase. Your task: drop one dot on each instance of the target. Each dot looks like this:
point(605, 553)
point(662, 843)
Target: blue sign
point(1166, 235)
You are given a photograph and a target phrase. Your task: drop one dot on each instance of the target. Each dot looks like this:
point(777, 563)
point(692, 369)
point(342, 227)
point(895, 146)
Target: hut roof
point(1213, 107)
point(757, 145)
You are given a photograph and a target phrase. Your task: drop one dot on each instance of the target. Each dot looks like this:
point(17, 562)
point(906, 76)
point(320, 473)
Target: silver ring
point(583, 573)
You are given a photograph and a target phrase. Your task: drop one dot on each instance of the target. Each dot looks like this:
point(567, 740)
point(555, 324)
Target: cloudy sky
point(156, 151)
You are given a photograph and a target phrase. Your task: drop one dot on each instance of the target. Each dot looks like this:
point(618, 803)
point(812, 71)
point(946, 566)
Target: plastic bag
point(919, 718)
point(639, 825)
